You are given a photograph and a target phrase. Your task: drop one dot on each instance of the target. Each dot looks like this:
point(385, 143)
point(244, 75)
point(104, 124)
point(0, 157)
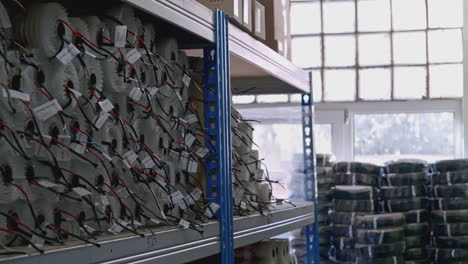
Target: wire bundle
point(355, 194)
point(449, 211)
point(404, 190)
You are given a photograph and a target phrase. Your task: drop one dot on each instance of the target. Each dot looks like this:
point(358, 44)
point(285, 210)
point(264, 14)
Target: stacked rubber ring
point(325, 196)
point(450, 211)
point(355, 195)
point(404, 190)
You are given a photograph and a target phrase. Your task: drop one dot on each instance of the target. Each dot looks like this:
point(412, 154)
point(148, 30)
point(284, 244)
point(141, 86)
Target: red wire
point(72, 93)
point(67, 213)
point(69, 171)
point(151, 211)
point(21, 224)
point(79, 130)
point(138, 37)
point(76, 33)
point(4, 125)
point(9, 231)
point(94, 94)
point(170, 85)
point(59, 228)
point(21, 189)
point(94, 154)
point(42, 144)
point(44, 93)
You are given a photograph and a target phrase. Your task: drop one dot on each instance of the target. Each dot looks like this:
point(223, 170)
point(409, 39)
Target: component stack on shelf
point(380, 238)
point(450, 211)
point(272, 251)
point(325, 193)
point(404, 189)
point(355, 194)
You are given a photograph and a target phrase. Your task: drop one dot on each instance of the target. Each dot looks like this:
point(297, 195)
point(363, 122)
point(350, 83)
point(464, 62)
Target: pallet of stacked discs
point(324, 186)
point(380, 238)
point(355, 194)
point(449, 214)
point(404, 189)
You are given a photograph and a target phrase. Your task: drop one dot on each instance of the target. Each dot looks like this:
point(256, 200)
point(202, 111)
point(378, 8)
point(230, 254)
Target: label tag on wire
point(148, 163)
point(81, 191)
point(68, 53)
point(189, 139)
point(47, 110)
point(120, 38)
point(184, 223)
point(201, 152)
point(191, 118)
point(130, 156)
point(186, 80)
point(102, 118)
point(212, 209)
point(133, 56)
point(37, 241)
point(106, 106)
point(16, 95)
point(135, 94)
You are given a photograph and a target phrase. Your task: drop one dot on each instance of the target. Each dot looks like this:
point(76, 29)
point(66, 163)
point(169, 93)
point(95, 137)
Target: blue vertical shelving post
point(310, 175)
point(217, 95)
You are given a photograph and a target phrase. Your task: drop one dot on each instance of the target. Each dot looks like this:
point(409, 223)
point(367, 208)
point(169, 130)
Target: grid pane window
point(446, 81)
point(445, 13)
point(410, 82)
point(305, 18)
point(338, 16)
point(445, 46)
point(375, 84)
point(306, 52)
point(374, 49)
point(374, 15)
point(409, 48)
point(340, 51)
point(337, 84)
point(409, 14)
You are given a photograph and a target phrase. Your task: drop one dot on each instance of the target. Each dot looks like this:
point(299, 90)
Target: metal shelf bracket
point(310, 175)
point(217, 95)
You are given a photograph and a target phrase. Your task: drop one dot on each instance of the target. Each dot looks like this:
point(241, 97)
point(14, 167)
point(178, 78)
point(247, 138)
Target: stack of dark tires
point(380, 238)
point(325, 196)
point(404, 190)
point(449, 213)
point(355, 195)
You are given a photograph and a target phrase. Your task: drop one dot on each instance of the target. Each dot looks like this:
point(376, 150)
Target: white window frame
point(349, 110)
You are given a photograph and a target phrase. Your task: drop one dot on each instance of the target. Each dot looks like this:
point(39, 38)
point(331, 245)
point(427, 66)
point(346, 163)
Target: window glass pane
point(305, 18)
point(272, 98)
point(338, 16)
point(306, 52)
point(317, 85)
point(445, 13)
point(409, 82)
point(374, 49)
point(409, 14)
point(379, 138)
point(409, 48)
point(340, 85)
point(243, 99)
point(445, 45)
point(323, 138)
point(374, 84)
point(446, 81)
point(374, 15)
point(340, 50)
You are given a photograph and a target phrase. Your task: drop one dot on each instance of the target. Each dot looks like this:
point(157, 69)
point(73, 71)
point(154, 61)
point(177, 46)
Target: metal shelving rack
point(226, 50)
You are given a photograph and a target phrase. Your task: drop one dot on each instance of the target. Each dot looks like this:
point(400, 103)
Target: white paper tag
point(67, 54)
point(135, 94)
point(133, 56)
point(243, 206)
point(120, 36)
point(214, 208)
point(101, 200)
point(106, 105)
point(184, 223)
point(130, 156)
point(152, 91)
point(89, 229)
point(177, 197)
point(155, 221)
point(182, 204)
point(189, 139)
point(102, 118)
point(148, 163)
point(137, 224)
point(47, 184)
point(16, 95)
point(197, 193)
point(81, 191)
point(37, 241)
point(191, 118)
point(238, 194)
point(201, 152)
point(78, 148)
point(192, 166)
point(115, 228)
point(47, 139)
point(109, 158)
point(47, 110)
point(186, 80)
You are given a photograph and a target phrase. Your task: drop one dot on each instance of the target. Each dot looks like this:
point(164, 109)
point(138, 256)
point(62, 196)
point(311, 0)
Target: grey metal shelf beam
point(175, 245)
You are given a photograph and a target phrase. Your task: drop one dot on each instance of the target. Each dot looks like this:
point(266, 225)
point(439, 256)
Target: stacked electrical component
point(404, 189)
point(380, 238)
point(98, 133)
point(449, 214)
point(252, 188)
point(355, 194)
point(272, 251)
point(325, 194)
